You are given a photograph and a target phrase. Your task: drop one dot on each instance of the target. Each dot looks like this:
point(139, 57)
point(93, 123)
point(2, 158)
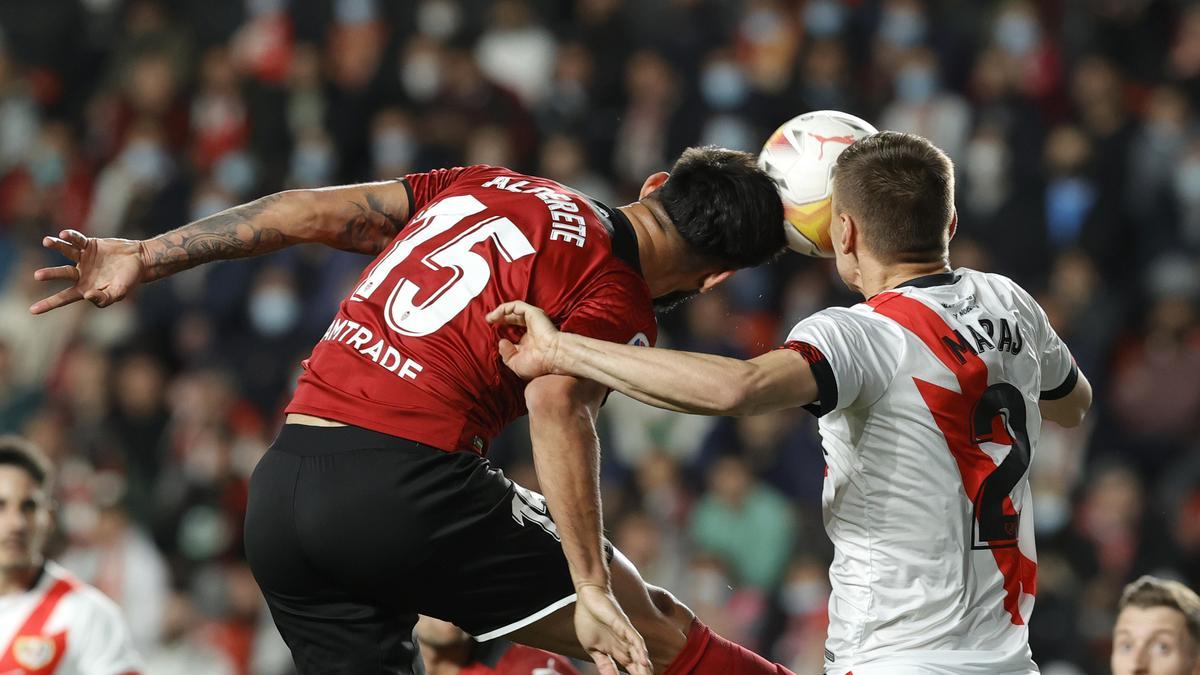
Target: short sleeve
point(1059, 372)
point(423, 188)
point(853, 358)
point(101, 640)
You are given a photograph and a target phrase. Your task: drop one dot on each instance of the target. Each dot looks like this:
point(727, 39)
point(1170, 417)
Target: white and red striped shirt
point(62, 626)
point(929, 420)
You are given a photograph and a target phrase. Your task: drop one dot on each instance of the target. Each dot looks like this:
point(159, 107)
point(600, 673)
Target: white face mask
point(392, 148)
point(723, 85)
point(1017, 33)
point(1187, 182)
point(439, 19)
point(274, 310)
point(421, 77)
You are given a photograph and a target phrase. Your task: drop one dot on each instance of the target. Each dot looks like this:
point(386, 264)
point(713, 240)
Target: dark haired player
point(375, 502)
point(50, 622)
point(931, 395)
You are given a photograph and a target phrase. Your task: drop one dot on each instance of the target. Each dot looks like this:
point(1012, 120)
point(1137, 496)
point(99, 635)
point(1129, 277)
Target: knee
point(671, 608)
point(666, 628)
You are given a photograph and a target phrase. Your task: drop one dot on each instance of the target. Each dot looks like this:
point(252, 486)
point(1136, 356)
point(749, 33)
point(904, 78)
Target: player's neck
point(657, 252)
point(448, 660)
point(18, 579)
point(875, 278)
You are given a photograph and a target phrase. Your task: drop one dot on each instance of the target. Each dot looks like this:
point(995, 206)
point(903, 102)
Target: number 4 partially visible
point(470, 272)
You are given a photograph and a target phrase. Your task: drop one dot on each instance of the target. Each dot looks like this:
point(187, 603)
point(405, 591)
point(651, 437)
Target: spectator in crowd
point(1157, 630)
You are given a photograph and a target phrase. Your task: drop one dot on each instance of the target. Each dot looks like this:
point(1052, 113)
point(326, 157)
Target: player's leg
point(310, 503)
point(677, 642)
point(503, 574)
point(662, 620)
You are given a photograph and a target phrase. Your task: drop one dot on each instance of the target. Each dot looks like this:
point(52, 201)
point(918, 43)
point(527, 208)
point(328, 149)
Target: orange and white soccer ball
point(800, 156)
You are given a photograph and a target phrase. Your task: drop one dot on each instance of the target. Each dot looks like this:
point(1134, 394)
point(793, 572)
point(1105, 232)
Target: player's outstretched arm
point(1069, 410)
point(681, 381)
point(361, 218)
point(566, 455)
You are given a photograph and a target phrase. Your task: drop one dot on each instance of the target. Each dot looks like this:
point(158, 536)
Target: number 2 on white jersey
point(470, 271)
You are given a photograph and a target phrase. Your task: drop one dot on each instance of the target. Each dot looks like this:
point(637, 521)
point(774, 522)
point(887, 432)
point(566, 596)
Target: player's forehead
point(1145, 621)
point(16, 483)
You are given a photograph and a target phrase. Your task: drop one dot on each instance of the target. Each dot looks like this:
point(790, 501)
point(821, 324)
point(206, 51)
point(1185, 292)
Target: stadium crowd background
point(1073, 125)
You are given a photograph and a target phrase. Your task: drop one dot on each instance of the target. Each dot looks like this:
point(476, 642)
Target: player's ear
point(652, 183)
point(849, 232)
point(711, 280)
point(953, 225)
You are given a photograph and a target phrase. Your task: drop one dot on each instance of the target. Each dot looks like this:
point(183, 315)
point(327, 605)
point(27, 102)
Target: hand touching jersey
point(104, 272)
point(532, 356)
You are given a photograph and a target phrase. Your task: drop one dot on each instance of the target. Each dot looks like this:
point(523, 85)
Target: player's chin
point(665, 304)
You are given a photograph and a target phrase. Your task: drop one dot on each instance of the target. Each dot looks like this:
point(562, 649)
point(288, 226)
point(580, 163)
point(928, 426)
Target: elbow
point(1072, 418)
point(555, 396)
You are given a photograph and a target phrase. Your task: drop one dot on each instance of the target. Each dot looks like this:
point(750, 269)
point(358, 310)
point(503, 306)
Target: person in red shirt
point(447, 649)
point(376, 501)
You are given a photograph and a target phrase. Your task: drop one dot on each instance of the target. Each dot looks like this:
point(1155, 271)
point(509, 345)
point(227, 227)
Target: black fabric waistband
point(306, 440)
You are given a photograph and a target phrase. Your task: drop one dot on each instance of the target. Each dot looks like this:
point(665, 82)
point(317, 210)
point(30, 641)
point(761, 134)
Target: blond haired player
point(1158, 629)
point(931, 395)
point(50, 622)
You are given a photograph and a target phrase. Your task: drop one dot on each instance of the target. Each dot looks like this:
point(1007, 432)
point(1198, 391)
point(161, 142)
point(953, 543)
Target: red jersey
point(506, 658)
point(410, 354)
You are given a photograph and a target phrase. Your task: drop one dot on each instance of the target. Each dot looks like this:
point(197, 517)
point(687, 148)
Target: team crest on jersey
point(639, 340)
point(33, 651)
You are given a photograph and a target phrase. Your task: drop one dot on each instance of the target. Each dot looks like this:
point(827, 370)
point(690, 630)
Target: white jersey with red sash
point(62, 626)
point(929, 420)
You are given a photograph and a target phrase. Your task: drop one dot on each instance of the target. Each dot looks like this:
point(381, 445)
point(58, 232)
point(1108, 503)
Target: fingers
point(64, 247)
point(507, 350)
point(100, 298)
point(511, 313)
point(64, 297)
point(74, 237)
point(605, 664)
point(67, 272)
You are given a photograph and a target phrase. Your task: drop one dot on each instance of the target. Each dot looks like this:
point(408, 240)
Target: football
point(800, 156)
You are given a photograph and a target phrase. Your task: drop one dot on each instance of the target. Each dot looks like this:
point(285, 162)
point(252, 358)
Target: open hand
point(607, 633)
point(104, 272)
point(534, 355)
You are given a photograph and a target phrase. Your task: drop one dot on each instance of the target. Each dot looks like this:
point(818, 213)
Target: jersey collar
point(624, 239)
point(931, 280)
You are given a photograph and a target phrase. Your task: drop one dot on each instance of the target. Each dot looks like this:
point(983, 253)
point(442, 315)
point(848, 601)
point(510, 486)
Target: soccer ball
point(800, 156)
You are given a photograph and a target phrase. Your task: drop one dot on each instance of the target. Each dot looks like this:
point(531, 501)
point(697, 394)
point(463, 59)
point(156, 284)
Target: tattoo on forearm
point(369, 230)
point(232, 233)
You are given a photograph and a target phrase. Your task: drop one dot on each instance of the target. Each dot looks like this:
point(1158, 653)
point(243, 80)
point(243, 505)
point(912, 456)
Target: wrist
point(603, 585)
point(144, 259)
point(562, 361)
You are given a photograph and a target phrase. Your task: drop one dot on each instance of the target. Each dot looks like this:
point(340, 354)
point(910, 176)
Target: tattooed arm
point(361, 218)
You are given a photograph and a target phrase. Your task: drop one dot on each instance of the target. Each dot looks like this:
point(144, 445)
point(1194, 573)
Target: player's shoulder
point(860, 318)
point(1008, 293)
point(86, 603)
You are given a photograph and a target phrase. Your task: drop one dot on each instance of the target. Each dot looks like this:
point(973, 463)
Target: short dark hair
point(726, 208)
point(23, 454)
point(1149, 591)
point(900, 189)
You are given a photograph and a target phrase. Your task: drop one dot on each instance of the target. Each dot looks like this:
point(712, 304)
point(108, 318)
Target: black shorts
point(351, 533)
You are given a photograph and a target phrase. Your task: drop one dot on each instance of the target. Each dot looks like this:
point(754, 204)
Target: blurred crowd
point(1073, 124)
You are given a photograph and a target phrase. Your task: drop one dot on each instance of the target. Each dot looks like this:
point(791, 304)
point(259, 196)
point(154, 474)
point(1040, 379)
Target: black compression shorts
point(351, 533)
